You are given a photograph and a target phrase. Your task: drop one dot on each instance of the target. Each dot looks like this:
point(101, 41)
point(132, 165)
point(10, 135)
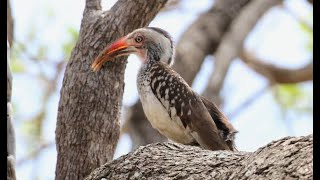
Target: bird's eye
point(138, 39)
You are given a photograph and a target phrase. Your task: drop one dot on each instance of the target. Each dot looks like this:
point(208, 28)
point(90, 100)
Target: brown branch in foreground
point(232, 43)
point(277, 74)
point(287, 158)
point(200, 39)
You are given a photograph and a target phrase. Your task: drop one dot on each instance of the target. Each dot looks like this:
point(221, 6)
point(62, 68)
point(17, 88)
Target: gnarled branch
point(232, 42)
point(204, 36)
point(287, 158)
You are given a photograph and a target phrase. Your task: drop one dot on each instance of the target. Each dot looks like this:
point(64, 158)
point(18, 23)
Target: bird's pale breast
point(158, 115)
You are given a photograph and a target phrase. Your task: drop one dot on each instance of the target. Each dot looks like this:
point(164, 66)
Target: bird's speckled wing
point(181, 101)
point(226, 130)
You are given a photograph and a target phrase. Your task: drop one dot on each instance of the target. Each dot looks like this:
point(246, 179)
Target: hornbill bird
point(169, 103)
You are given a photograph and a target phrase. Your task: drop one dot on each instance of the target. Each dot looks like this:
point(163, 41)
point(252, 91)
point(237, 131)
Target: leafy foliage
point(309, 33)
point(292, 97)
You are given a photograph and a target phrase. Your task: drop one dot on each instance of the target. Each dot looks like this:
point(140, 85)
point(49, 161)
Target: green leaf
point(17, 66)
point(73, 33)
point(288, 94)
point(294, 98)
point(308, 31)
point(33, 127)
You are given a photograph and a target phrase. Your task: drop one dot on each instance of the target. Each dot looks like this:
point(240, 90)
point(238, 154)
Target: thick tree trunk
point(200, 39)
point(287, 158)
point(11, 140)
point(9, 24)
point(88, 116)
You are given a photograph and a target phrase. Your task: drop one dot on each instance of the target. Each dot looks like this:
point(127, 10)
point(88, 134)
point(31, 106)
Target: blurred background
point(44, 33)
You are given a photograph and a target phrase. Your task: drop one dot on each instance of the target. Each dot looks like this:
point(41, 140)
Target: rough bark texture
point(11, 140)
point(199, 40)
point(88, 115)
point(232, 43)
point(9, 24)
point(287, 158)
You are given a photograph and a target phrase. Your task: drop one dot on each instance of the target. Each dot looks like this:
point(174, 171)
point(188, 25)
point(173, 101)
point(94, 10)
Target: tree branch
point(171, 5)
point(93, 5)
point(287, 158)
point(232, 42)
point(10, 24)
point(11, 170)
point(277, 74)
point(138, 9)
point(203, 37)
point(11, 139)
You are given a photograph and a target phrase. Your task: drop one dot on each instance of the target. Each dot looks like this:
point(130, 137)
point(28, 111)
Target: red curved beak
point(116, 49)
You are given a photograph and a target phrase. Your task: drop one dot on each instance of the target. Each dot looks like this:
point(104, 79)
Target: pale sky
point(276, 38)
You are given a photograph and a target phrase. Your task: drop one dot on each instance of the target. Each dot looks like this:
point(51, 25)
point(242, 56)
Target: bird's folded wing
point(203, 128)
point(226, 129)
point(174, 93)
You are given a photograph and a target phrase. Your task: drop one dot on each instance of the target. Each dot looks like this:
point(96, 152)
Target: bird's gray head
point(150, 44)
